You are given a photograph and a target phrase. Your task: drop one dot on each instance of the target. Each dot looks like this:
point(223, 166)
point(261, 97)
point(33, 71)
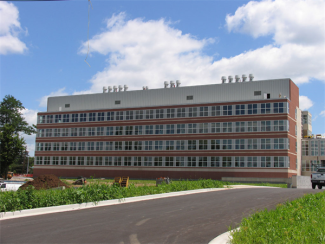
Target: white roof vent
point(115, 88)
point(178, 83)
point(147, 88)
point(244, 78)
point(126, 87)
point(230, 78)
point(172, 84)
point(109, 88)
point(104, 89)
point(224, 79)
point(120, 88)
point(144, 88)
point(251, 77)
point(166, 84)
point(237, 78)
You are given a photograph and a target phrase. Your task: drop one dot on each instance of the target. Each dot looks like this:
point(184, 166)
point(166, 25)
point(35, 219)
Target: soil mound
point(44, 182)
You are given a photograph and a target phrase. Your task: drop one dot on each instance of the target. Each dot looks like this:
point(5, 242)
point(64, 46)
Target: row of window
point(158, 161)
point(309, 165)
point(216, 127)
point(204, 111)
point(313, 148)
point(219, 144)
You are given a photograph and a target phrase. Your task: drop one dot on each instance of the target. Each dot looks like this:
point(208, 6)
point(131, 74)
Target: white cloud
point(305, 103)
point(322, 113)
point(31, 118)
point(143, 52)
point(60, 92)
point(9, 29)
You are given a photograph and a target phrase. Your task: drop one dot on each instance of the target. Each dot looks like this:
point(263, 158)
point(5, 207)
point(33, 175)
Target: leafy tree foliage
point(11, 124)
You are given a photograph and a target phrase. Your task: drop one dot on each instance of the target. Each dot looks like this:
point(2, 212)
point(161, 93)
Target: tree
point(11, 124)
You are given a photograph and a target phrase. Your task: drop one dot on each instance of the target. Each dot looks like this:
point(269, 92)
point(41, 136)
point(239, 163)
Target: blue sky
point(43, 46)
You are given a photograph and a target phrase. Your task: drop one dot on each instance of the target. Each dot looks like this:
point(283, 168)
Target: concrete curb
point(224, 238)
point(71, 207)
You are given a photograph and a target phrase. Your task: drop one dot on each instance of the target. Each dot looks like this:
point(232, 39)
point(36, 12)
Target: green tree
point(11, 124)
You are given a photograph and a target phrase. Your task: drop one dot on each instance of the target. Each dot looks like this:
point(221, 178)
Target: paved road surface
point(196, 218)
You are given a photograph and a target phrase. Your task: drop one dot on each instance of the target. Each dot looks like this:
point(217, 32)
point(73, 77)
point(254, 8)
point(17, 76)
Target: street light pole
point(27, 163)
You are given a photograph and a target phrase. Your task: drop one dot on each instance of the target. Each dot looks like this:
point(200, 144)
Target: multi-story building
point(313, 154)
point(306, 124)
point(242, 129)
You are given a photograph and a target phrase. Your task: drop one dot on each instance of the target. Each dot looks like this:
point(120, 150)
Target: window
point(204, 111)
point(100, 116)
point(257, 93)
point(91, 146)
point(129, 130)
point(169, 145)
point(215, 144)
point(74, 117)
point(191, 145)
point(72, 160)
point(215, 127)
point(66, 118)
point(265, 108)
point(227, 127)
point(239, 161)
point(203, 128)
point(252, 144)
point(180, 145)
point(83, 117)
point(64, 160)
point(157, 161)
point(41, 119)
point(41, 132)
point(58, 118)
point(191, 128)
point(189, 97)
point(100, 131)
point(90, 161)
point(279, 143)
point(81, 146)
point(313, 148)
point(148, 145)
point(139, 114)
point(128, 145)
point(252, 108)
point(64, 132)
point(266, 143)
point(226, 161)
point(110, 116)
point(110, 131)
point(170, 113)
point(215, 111)
point(192, 112)
point(240, 126)
point(137, 161)
point(127, 161)
point(226, 144)
point(179, 161)
point(138, 145)
point(99, 161)
point(81, 160)
point(119, 115)
point(99, 146)
point(215, 162)
point(149, 129)
point(180, 129)
point(109, 146)
point(91, 131)
point(117, 102)
point(56, 146)
point(74, 132)
point(159, 145)
point(227, 110)
point(203, 144)
point(73, 146)
point(138, 130)
point(40, 147)
point(240, 109)
point(129, 115)
point(191, 161)
point(149, 114)
point(48, 133)
point(180, 112)
point(147, 161)
point(265, 125)
point(55, 161)
point(169, 161)
point(118, 130)
point(322, 148)
point(240, 144)
point(159, 113)
point(49, 119)
point(278, 108)
point(82, 131)
point(265, 161)
point(203, 161)
point(118, 146)
point(92, 116)
point(47, 160)
point(251, 161)
point(170, 129)
point(109, 161)
point(67, 105)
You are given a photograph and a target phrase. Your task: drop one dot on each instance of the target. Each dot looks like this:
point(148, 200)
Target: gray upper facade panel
point(216, 93)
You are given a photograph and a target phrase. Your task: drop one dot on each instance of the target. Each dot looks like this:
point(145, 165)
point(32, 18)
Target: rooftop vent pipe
point(104, 89)
point(144, 88)
point(244, 78)
point(115, 88)
point(120, 88)
point(230, 78)
point(126, 87)
point(223, 78)
point(109, 88)
point(178, 83)
point(251, 77)
point(166, 84)
point(147, 88)
point(172, 84)
point(237, 78)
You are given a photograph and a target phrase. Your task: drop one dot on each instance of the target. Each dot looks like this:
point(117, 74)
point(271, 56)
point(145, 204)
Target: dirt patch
point(44, 182)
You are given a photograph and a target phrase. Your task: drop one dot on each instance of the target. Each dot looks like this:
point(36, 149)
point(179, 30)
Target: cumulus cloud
point(141, 52)
point(60, 92)
point(30, 116)
point(9, 29)
point(305, 103)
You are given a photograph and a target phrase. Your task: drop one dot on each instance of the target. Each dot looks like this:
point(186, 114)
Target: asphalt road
point(196, 218)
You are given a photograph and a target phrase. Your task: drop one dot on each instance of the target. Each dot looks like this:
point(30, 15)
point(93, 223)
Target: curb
point(224, 238)
point(71, 207)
